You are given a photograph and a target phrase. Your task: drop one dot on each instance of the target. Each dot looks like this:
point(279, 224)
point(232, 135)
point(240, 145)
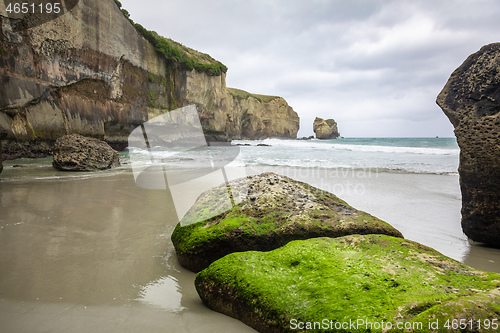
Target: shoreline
point(367, 189)
point(399, 199)
point(395, 197)
point(76, 251)
point(65, 267)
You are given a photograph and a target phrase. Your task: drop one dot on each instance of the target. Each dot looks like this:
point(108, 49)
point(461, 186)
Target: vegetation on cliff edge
point(175, 52)
point(242, 94)
point(330, 122)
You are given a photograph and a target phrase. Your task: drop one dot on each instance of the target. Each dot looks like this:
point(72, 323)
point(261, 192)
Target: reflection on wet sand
point(483, 258)
point(80, 241)
point(94, 252)
point(81, 253)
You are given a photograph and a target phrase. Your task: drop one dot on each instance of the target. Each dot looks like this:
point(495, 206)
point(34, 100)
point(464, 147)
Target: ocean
point(87, 251)
point(414, 155)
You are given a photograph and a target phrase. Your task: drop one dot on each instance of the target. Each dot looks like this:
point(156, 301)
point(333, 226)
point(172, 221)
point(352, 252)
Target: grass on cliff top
point(373, 277)
point(242, 94)
point(175, 52)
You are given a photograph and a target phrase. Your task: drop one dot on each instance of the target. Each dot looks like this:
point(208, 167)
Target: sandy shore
point(93, 253)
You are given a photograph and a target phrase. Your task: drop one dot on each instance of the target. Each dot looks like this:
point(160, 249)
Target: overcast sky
point(375, 66)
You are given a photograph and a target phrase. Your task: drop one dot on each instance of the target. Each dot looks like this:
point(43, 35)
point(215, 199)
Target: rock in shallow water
point(471, 100)
point(79, 153)
point(325, 129)
point(374, 278)
point(276, 210)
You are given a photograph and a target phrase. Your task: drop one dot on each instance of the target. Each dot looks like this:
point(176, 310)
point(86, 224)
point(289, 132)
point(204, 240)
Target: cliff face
point(1, 162)
point(471, 100)
point(3, 133)
point(261, 117)
point(84, 72)
point(90, 72)
point(325, 129)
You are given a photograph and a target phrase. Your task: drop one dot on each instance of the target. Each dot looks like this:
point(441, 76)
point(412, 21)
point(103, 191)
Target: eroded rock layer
point(471, 100)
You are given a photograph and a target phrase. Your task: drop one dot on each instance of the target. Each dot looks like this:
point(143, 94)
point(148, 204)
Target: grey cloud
point(366, 59)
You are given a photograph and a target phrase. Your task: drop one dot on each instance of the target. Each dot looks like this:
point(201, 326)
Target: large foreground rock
point(471, 100)
point(277, 209)
point(78, 153)
point(361, 278)
point(325, 129)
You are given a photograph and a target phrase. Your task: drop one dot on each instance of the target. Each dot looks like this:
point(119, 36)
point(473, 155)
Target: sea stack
point(471, 100)
point(325, 129)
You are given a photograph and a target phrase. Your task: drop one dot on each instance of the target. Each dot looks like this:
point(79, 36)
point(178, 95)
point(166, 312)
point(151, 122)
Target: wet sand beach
point(92, 252)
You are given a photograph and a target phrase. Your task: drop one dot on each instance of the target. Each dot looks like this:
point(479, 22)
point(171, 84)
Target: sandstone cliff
point(3, 133)
point(262, 116)
point(471, 100)
point(325, 129)
point(91, 72)
point(1, 159)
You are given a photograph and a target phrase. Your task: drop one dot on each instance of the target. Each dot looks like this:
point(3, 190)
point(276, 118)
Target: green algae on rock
point(276, 210)
point(374, 278)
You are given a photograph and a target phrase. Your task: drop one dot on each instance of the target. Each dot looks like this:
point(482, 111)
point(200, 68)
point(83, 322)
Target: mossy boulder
point(275, 210)
point(359, 278)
